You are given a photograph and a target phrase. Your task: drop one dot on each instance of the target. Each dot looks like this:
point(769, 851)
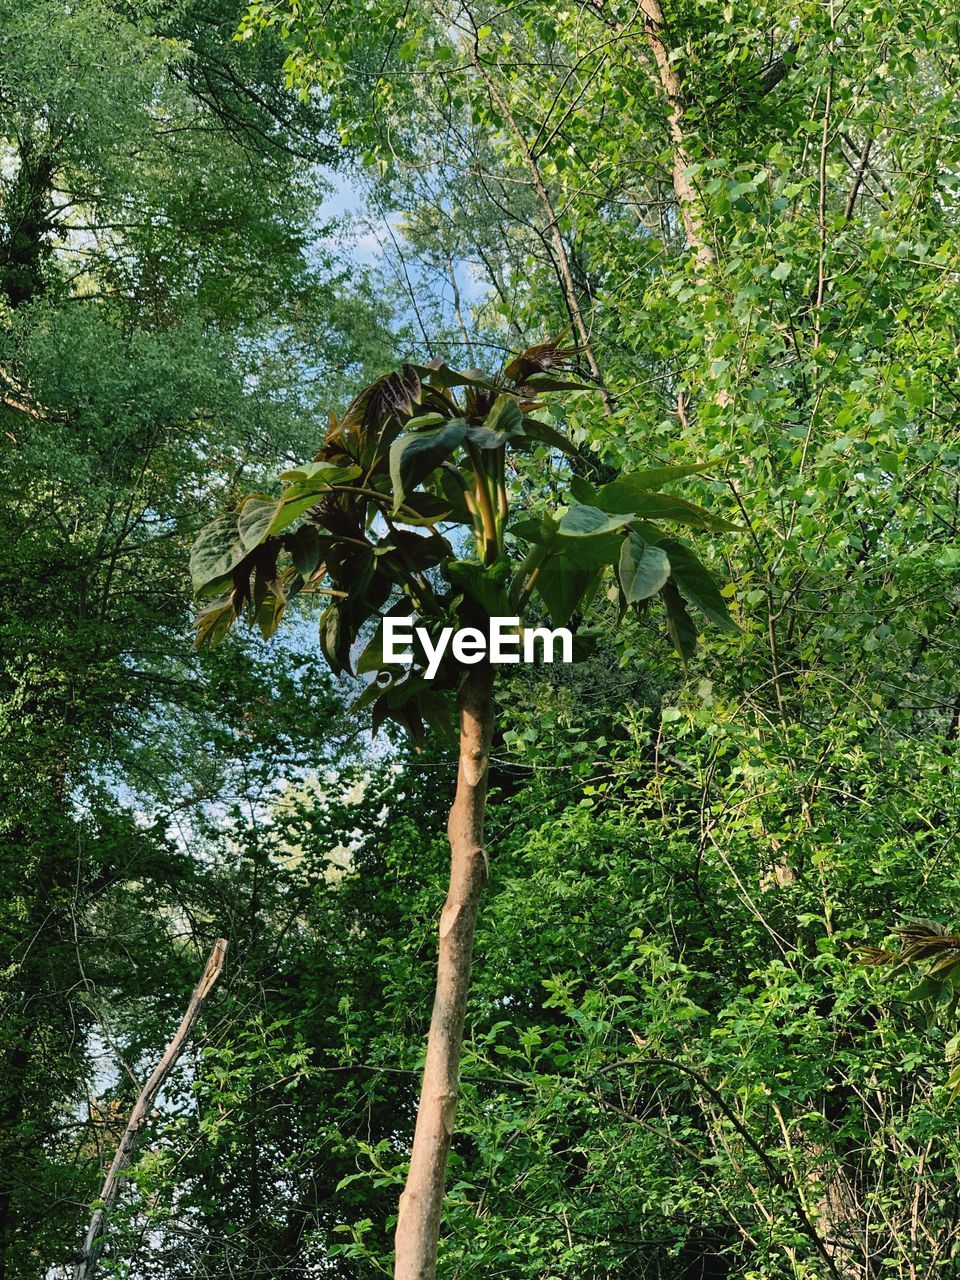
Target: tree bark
point(418, 1219)
point(87, 1265)
point(688, 198)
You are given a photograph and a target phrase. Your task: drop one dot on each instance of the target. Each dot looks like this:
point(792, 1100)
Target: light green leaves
point(318, 475)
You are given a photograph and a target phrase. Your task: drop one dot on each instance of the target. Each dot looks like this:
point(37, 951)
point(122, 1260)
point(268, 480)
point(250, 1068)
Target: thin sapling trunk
point(418, 1221)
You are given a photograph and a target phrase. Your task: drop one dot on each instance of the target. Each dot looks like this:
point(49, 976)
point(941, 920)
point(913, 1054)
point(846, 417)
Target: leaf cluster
point(380, 520)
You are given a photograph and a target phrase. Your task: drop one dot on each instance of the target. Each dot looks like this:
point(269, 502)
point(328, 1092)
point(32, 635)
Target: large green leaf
point(698, 585)
point(643, 569)
point(403, 549)
point(594, 552)
point(664, 506)
point(263, 517)
point(213, 623)
point(216, 552)
point(539, 529)
point(439, 374)
point(425, 509)
point(484, 584)
point(583, 490)
point(255, 519)
point(680, 626)
point(616, 495)
point(561, 586)
point(537, 432)
point(319, 474)
point(484, 438)
point(586, 522)
point(371, 659)
point(306, 549)
point(413, 457)
point(505, 416)
point(547, 382)
point(335, 637)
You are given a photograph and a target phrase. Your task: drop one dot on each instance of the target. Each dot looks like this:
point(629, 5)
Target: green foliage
point(381, 466)
point(673, 1053)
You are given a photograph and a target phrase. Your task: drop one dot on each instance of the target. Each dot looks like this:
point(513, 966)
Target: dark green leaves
point(627, 499)
point(680, 626)
point(306, 549)
point(439, 374)
point(543, 433)
point(643, 569)
point(413, 457)
point(224, 543)
point(637, 483)
point(505, 416)
point(697, 584)
point(562, 586)
point(485, 585)
point(358, 536)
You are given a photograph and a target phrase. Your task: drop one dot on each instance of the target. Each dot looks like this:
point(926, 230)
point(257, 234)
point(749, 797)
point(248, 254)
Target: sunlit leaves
point(217, 550)
point(318, 475)
point(587, 522)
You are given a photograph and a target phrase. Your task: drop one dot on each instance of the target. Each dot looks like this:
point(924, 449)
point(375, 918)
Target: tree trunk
point(418, 1219)
point(93, 1243)
point(688, 198)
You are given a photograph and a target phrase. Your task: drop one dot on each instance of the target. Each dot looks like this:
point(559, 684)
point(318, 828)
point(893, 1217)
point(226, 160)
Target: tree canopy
point(696, 1044)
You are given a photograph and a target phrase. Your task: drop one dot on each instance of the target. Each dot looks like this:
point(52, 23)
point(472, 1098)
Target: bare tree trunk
point(87, 1265)
point(418, 1220)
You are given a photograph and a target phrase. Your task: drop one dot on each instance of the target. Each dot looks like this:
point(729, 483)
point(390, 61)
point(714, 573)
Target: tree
point(345, 526)
point(159, 287)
